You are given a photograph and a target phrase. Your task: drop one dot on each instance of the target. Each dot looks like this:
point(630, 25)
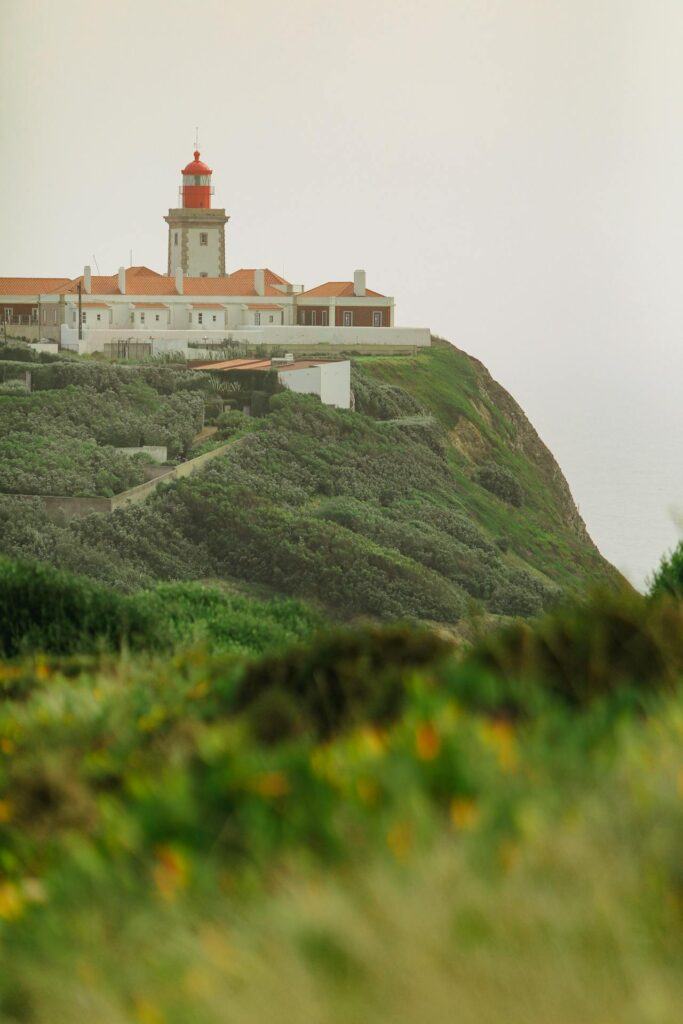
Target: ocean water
point(615, 427)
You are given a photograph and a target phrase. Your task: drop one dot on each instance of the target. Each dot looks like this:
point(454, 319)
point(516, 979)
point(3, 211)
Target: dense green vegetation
point(219, 803)
point(59, 439)
point(378, 512)
point(50, 611)
point(367, 828)
point(668, 578)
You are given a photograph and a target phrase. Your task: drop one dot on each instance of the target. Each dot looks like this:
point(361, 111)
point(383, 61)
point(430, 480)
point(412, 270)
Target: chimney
point(359, 282)
point(179, 284)
point(87, 280)
point(122, 280)
point(260, 282)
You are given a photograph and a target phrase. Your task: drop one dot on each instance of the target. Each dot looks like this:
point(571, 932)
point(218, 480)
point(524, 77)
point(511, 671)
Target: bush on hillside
point(34, 464)
point(382, 401)
point(46, 610)
point(668, 578)
point(342, 679)
point(501, 482)
point(607, 642)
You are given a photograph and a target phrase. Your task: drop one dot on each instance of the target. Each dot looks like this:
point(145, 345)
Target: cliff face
point(491, 442)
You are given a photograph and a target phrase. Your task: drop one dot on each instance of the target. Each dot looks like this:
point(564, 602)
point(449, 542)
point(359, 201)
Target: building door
point(348, 318)
point(323, 318)
point(313, 318)
point(377, 318)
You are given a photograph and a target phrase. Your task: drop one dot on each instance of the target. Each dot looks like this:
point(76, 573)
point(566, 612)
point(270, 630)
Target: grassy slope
point(161, 865)
point(485, 424)
point(361, 515)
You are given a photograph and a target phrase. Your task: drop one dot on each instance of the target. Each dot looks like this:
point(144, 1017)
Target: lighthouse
point(196, 232)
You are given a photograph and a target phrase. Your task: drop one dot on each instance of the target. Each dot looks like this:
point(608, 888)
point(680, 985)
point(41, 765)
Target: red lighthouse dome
point(196, 189)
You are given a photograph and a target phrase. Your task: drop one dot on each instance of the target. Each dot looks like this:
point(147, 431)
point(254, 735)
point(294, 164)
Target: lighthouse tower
point(196, 233)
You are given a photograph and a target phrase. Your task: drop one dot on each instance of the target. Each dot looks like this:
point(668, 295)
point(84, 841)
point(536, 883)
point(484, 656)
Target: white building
point(330, 379)
point(197, 300)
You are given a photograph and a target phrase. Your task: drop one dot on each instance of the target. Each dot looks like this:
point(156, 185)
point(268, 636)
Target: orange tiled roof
point(207, 305)
point(338, 289)
point(30, 285)
point(263, 305)
point(236, 364)
point(150, 305)
point(263, 364)
point(142, 281)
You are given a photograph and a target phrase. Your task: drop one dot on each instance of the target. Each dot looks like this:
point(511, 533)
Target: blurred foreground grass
point(366, 829)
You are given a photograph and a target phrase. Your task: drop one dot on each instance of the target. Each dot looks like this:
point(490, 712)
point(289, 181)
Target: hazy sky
point(510, 170)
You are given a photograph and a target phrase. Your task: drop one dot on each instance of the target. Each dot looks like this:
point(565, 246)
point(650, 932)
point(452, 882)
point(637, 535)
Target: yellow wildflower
point(464, 813)
point(11, 901)
point(199, 690)
point(170, 872)
point(427, 742)
point(400, 840)
point(146, 1012)
point(367, 790)
point(500, 736)
point(271, 784)
point(5, 811)
point(6, 745)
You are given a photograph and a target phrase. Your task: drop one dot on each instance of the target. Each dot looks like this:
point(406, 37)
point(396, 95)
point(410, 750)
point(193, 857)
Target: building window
point(98, 317)
point(156, 317)
point(203, 238)
point(214, 318)
point(204, 275)
point(271, 319)
point(175, 238)
point(257, 318)
point(200, 318)
point(377, 318)
point(132, 318)
point(323, 317)
point(34, 314)
point(313, 318)
point(8, 314)
point(348, 318)
point(302, 316)
point(142, 318)
point(83, 316)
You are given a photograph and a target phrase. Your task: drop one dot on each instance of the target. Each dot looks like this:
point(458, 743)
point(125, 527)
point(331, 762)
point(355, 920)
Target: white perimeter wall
point(178, 340)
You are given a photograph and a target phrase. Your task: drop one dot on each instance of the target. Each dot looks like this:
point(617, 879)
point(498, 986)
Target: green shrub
point(45, 610)
point(501, 482)
point(586, 649)
point(668, 579)
point(342, 679)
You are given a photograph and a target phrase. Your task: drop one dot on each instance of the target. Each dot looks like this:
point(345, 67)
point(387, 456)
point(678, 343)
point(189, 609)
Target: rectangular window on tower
point(203, 238)
point(200, 318)
point(175, 237)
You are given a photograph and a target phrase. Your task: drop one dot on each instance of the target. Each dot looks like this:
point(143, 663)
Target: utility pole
point(80, 314)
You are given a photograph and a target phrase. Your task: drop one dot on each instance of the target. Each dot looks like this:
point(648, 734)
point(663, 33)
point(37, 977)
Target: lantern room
point(196, 190)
